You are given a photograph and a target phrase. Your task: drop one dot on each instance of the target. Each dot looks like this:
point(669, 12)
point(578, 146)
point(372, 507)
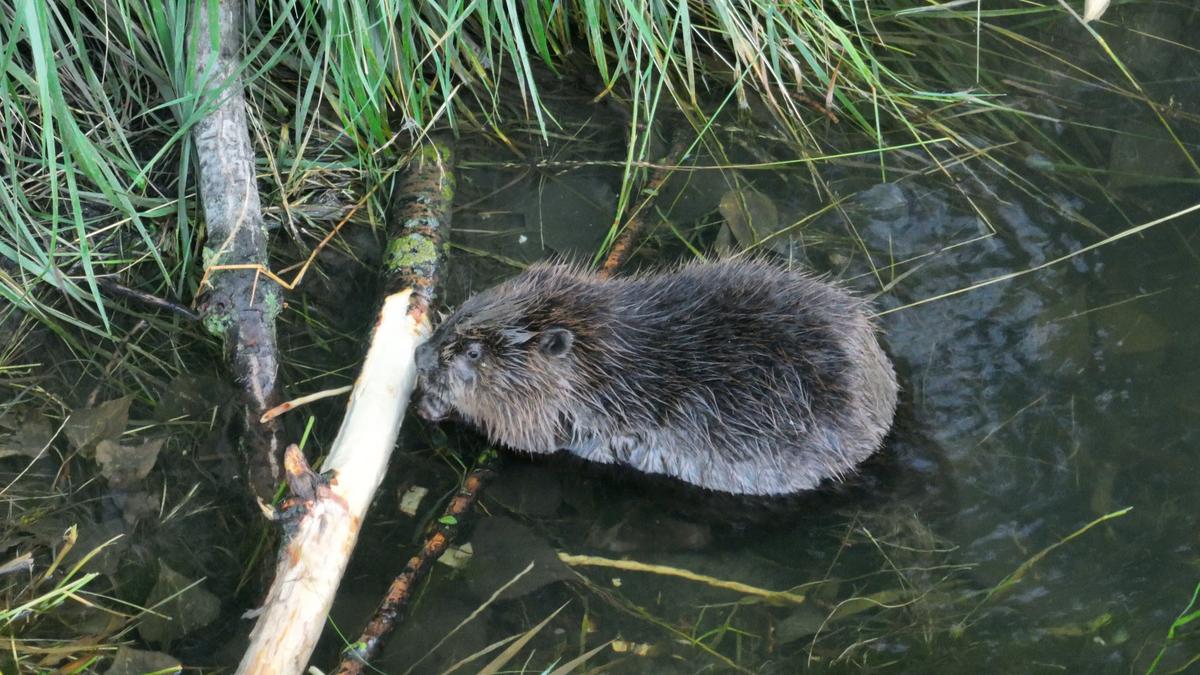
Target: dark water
point(1034, 511)
point(1060, 401)
point(1044, 403)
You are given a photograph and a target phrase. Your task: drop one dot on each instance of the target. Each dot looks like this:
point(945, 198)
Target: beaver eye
point(474, 352)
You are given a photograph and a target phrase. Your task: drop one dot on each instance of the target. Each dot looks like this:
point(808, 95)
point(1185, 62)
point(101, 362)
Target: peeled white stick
point(1094, 9)
point(315, 555)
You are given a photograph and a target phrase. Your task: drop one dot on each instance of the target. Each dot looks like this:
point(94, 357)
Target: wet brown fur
point(737, 375)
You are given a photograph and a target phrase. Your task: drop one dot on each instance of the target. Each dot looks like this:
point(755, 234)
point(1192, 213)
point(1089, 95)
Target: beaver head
point(506, 359)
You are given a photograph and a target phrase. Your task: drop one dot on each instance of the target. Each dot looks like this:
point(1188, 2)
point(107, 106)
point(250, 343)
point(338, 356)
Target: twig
point(116, 288)
point(311, 564)
point(261, 270)
point(637, 221)
point(374, 635)
point(288, 406)
point(664, 570)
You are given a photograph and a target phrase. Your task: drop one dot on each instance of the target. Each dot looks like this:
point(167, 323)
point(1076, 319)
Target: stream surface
point(1033, 407)
point(1037, 508)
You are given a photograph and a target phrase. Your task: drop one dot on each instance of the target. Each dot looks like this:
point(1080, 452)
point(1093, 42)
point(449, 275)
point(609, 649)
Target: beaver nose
point(426, 359)
point(432, 409)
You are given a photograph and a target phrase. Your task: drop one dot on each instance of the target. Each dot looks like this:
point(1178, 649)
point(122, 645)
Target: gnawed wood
point(312, 560)
point(332, 506)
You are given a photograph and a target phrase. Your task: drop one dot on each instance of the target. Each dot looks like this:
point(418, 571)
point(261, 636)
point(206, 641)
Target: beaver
point(737, 375)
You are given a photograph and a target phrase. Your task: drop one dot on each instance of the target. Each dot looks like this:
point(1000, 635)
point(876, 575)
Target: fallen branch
point(668, 571)
point(637, 220)
point(370, 643)
point(373, 637)
point(312, 562)
point(234, 306)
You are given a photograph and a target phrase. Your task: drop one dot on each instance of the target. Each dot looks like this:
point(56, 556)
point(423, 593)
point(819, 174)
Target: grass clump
point(100, 100)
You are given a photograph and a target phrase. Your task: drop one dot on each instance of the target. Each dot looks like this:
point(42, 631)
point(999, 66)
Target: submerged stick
point(374, 636)
point(234, 306)
point(312, 562)
point(637, 221)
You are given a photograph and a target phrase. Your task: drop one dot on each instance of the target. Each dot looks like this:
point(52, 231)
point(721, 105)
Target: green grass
point(1189, 614)
point(99, 100)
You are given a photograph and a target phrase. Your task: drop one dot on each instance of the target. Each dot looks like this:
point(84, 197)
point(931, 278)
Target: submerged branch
point(311, 563)
point(637, 221)
point(374, 636)
point(234, 305)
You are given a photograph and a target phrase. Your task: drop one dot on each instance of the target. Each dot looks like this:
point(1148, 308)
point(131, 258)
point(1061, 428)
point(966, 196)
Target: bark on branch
point(234, 305)
point(442, 533)
point(333, 505)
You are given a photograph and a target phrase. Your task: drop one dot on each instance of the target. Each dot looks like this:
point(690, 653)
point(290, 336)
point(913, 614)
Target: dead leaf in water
point(1074, 630)
point(800, 623)
point(97, 547)
point(135, 661)
point(1125, 329)
point(751, 215)
point(571, 214)
point(189, 607)
point(528, 490)
point(881, 600)
point(503, 547)
point(28, 440)
point(125, 465)
point(192, 396)
point(89, 426)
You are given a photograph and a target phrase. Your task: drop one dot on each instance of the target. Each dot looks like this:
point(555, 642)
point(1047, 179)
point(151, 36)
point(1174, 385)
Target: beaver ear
point(556, 341)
